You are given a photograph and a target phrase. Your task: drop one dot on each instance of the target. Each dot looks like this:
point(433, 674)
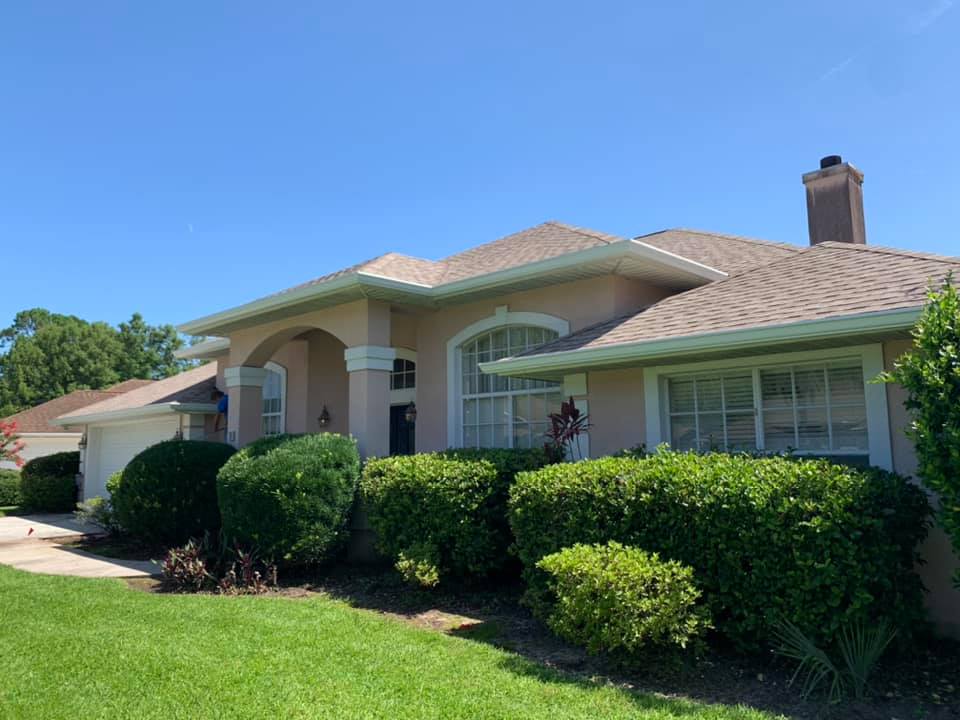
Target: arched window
point(498, 411)
point(274, 399)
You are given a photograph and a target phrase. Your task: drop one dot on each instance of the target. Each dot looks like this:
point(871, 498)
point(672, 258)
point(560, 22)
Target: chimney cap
point(830, 161)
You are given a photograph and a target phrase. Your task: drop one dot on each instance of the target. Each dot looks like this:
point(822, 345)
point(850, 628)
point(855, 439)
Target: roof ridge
point(884, 250)
point(596, 234)
point(727, 236)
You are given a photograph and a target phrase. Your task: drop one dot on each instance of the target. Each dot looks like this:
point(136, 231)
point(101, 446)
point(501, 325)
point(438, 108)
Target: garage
point(111, 447)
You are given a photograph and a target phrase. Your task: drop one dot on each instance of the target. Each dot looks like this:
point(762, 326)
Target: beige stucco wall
point(617, 418)
point(328, 383)
point(941, 561)
point(580, 303)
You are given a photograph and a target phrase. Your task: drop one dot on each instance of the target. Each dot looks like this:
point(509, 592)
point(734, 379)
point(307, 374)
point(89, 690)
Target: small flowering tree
point(10, 443)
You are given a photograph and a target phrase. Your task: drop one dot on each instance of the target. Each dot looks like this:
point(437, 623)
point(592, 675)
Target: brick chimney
point(835, 202)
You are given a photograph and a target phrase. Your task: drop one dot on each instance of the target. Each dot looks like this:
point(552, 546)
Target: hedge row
point(808, 541)
point(9, 487)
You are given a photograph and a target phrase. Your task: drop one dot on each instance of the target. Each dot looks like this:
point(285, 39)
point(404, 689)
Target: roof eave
point(206, 350)
point(658, 349)
point(688, 271)
point(145, 411)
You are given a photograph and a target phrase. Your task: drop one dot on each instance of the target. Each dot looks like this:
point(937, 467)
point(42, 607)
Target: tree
point(148, 350)
point(46, 355)
point(930, 373)
point(10, 443)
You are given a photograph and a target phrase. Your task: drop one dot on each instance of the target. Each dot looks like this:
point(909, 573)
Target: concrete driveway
point(35, 543)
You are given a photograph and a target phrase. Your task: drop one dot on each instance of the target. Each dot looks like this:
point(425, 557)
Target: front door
point(402, 433)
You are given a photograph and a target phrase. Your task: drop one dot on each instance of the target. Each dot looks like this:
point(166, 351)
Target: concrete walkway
point(35, 543)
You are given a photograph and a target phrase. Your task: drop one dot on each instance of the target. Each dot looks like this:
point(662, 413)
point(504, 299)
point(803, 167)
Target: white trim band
point(369, 357)
point(244, 376)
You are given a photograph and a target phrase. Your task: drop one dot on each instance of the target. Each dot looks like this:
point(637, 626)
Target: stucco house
point(697, 339)
point(42, 437)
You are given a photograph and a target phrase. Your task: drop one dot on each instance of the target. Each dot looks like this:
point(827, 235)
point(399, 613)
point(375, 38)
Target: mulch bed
point(922, 686)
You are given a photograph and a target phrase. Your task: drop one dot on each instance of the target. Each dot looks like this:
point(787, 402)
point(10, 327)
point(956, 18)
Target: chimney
point(835, 202)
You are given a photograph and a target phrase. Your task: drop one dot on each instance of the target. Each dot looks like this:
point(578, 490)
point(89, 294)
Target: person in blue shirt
point(223, 406)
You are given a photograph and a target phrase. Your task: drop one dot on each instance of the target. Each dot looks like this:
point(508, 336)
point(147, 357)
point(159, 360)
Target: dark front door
point(402, 433)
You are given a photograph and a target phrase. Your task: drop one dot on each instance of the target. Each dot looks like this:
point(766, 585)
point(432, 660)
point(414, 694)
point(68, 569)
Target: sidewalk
point(33, 543)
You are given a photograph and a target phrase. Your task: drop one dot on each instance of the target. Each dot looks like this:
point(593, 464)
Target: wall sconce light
point(83, 442)
point(324, 418)
point(178, 435)
point(410, 415)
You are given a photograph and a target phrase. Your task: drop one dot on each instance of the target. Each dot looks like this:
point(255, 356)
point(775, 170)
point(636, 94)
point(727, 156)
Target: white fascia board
point(601, 253)
point(204, 350)
point(64, 434)
point(429, 294)
point(146, 411)
point(885, 321)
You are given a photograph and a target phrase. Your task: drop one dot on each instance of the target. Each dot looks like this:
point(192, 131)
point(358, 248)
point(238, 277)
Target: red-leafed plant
point(566, 427)
point(10, 443)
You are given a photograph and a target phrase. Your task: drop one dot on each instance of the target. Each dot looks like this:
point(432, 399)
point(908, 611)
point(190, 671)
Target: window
point(817, 409)
point(274, 397)
point(499, 411)
point(404, 375)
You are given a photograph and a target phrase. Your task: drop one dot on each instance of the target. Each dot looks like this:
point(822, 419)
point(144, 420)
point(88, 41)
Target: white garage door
point(115, 446)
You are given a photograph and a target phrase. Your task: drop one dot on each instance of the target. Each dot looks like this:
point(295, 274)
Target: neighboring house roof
point(38, 419)
point(548, 253)
point(863, 286)
point(189, 391)
point(730, 253)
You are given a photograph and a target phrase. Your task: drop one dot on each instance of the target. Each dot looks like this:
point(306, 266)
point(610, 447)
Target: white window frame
point(405, 396)
point(501, 318)
point(282, 372)
point(657, 409)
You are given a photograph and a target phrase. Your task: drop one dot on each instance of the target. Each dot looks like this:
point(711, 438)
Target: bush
point(611, 598)
point(168, 494)
point(49, 483)
point(9, 487)
point(97, 511)
point(289, 496)
point(435, 514)
point(770, 539)
point(61, 464)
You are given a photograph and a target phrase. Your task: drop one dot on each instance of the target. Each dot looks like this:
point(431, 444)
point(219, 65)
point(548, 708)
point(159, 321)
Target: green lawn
point(10, 510)
point(95, 649)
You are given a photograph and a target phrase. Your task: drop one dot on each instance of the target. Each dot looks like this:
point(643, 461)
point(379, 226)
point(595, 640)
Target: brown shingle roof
point(829, 280)
point(541, 242)
point(37, 419)
point(730, 253)
point(192, 386)
point(544, 241)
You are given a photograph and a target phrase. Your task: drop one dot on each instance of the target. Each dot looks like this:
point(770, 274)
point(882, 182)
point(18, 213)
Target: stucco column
point(369, 367)
point(245, 408)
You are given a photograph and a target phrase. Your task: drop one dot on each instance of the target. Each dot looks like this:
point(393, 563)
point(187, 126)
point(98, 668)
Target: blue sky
point(179, 158)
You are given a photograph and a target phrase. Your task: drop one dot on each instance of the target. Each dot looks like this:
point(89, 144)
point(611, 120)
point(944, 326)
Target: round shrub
point(289, 497)
point(9, 487)
point(168, 493)
point(612, 598)
point(435, 516)
point(770, 539)
point(49, 483)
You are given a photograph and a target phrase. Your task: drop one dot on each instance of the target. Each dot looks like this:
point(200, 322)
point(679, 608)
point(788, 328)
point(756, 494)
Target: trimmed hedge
point(49, 483)
point(807, 541)
point(9, 487)
point(289, 496)
point(168, 493)
point(445, 514)
point(612, 598)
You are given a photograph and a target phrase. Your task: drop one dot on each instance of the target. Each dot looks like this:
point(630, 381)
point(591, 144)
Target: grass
point(96, 649)
point(6, 510)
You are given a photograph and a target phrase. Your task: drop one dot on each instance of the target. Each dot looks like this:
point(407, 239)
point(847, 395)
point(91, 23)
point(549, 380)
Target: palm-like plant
point(860, 649)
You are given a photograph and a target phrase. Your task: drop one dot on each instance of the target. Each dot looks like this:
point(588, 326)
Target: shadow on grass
point(492, 614)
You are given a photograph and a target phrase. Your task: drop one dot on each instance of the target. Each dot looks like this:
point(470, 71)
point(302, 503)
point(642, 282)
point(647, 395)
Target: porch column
point(369, 367)
point(245, 406)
